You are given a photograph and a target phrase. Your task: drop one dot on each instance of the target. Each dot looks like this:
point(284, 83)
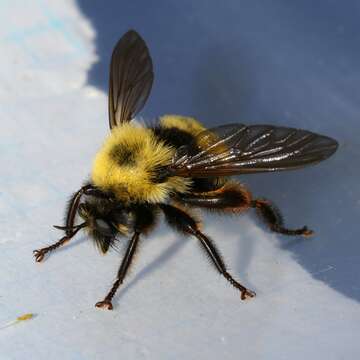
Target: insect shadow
point(225, 87)
point(154, 265)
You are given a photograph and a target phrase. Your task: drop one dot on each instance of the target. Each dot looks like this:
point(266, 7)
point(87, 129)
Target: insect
point(173, 166)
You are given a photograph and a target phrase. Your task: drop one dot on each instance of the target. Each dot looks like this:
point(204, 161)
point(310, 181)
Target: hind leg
point(234, 198)
point(272, 216)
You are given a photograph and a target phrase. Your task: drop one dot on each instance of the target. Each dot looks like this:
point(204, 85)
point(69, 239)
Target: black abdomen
point(173, 136)
point(176, 138)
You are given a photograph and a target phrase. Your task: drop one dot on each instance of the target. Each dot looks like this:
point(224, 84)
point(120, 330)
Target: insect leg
point(145, 218)
point(74, 205)
point(232, 197)
point(106, 303)
point(272, 216)
point(70, 229)
point(184, 223)
point(40, 253)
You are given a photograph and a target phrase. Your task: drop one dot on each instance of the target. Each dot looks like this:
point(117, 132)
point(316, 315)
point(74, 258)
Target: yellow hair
point(188, 124)
point(127, 162)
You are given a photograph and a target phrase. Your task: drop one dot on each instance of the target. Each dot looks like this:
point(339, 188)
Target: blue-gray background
point(292, 63)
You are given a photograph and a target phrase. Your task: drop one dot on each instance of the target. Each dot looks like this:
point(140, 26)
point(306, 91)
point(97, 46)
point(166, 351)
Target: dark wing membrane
point(238, 149)
point(131, 78)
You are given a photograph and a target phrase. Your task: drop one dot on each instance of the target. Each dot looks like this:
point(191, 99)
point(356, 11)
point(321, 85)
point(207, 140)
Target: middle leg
point(184, 223)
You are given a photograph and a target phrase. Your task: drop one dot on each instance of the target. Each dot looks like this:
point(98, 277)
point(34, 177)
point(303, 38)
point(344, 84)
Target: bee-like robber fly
point(141, 172)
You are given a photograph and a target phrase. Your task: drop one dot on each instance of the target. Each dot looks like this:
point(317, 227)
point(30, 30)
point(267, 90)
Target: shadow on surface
point(156, 264)
point(284, 63)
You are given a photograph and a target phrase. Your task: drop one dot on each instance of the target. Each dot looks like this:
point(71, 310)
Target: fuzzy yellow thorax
point(127, 162)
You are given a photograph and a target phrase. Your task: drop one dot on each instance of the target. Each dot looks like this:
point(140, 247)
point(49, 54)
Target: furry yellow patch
point(188, 124)
point(127, 162)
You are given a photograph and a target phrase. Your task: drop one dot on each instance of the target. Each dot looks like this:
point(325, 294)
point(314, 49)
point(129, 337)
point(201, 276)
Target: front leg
point(40, 253)
point(145, 219)
point(69, 228)
point(106, 303)
point(184, 223)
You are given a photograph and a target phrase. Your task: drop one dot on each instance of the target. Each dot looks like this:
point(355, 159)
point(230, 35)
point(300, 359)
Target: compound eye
point(104, 228)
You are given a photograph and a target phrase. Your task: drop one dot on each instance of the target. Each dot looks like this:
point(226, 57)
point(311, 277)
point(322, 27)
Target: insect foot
point(245, 293)
point(105, 304)
point(307, 232)
point(39, 255)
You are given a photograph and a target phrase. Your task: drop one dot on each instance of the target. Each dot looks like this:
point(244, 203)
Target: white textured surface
point(173, 305)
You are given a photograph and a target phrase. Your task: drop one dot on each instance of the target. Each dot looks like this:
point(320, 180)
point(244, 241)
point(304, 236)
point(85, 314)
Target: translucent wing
point(131, 78)
point(239, 149)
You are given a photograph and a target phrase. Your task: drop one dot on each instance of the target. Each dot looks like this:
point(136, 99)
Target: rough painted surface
point(287, 64)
